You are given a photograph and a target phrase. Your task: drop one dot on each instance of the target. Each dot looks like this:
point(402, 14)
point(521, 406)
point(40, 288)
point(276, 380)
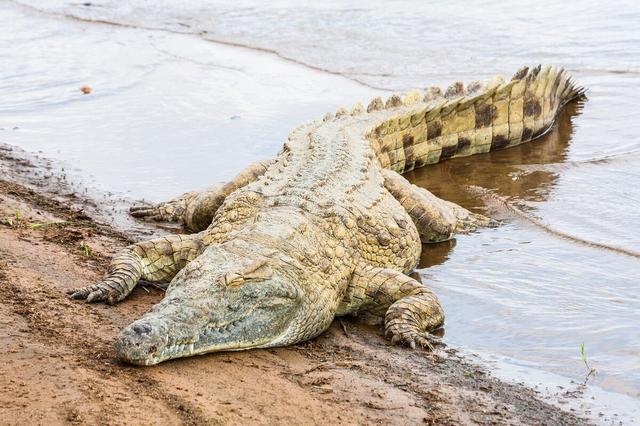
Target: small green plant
point(583, 356)
point(86, 250)
point(38, 225)
point(14, 221)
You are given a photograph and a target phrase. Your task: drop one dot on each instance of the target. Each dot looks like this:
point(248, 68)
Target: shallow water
point(172, 111)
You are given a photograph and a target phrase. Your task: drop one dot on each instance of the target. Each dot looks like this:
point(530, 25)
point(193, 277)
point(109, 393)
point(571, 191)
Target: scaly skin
point(327, 228)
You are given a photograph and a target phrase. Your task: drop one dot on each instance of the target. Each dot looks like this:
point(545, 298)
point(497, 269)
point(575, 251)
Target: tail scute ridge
point(480, 119)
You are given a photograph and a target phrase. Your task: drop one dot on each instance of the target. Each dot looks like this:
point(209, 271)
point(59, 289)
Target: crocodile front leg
point(157, 260)
point(196, 209)
point(410, 310)
point(436, 219)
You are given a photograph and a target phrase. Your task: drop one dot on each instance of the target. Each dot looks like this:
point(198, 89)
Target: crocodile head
point(245, 304)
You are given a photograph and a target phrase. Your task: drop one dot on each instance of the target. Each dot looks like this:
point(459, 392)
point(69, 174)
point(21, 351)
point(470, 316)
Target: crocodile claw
point(100, 292)
point(414, 339)
point(171, 211)
point(147, 212)
point(141, 209)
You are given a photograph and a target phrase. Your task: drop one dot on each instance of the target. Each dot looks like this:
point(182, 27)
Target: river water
point(185, 94)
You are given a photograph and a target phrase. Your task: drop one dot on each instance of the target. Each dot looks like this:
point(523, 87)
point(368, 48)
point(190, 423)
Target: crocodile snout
point(138, 343)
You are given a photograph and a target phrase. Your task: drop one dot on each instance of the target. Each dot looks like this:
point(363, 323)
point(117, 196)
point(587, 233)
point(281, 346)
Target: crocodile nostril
point(142, 328)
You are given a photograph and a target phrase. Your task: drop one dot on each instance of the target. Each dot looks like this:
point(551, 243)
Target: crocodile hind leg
point(176, 210)
point(157, 260)
point(436, 219)
point(410, 310)
point(196, 209)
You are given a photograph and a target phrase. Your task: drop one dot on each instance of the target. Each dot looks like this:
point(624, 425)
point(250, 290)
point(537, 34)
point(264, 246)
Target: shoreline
point(60, 364)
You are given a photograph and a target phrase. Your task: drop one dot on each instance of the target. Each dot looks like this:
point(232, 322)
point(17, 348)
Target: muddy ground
point(58, 364)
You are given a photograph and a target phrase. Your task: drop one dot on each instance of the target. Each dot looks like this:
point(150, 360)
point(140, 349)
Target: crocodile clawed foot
point(429, 341)
point(101, 292)
point(154, 213)
point(169, 211)
point(142, 210)
point(413, 338)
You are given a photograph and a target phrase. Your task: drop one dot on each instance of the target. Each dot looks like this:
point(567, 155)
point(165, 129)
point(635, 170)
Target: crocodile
point(328, 228)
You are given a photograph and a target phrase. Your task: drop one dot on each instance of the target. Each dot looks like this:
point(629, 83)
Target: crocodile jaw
point(225, 321)
point(150, 349)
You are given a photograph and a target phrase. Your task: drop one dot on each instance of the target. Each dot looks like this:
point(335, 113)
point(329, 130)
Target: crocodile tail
point(475, 120)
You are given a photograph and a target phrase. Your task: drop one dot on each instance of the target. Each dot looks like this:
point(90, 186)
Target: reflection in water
point(501, 173)
point(630, 156)
point(499, 170)
point(436, 254)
